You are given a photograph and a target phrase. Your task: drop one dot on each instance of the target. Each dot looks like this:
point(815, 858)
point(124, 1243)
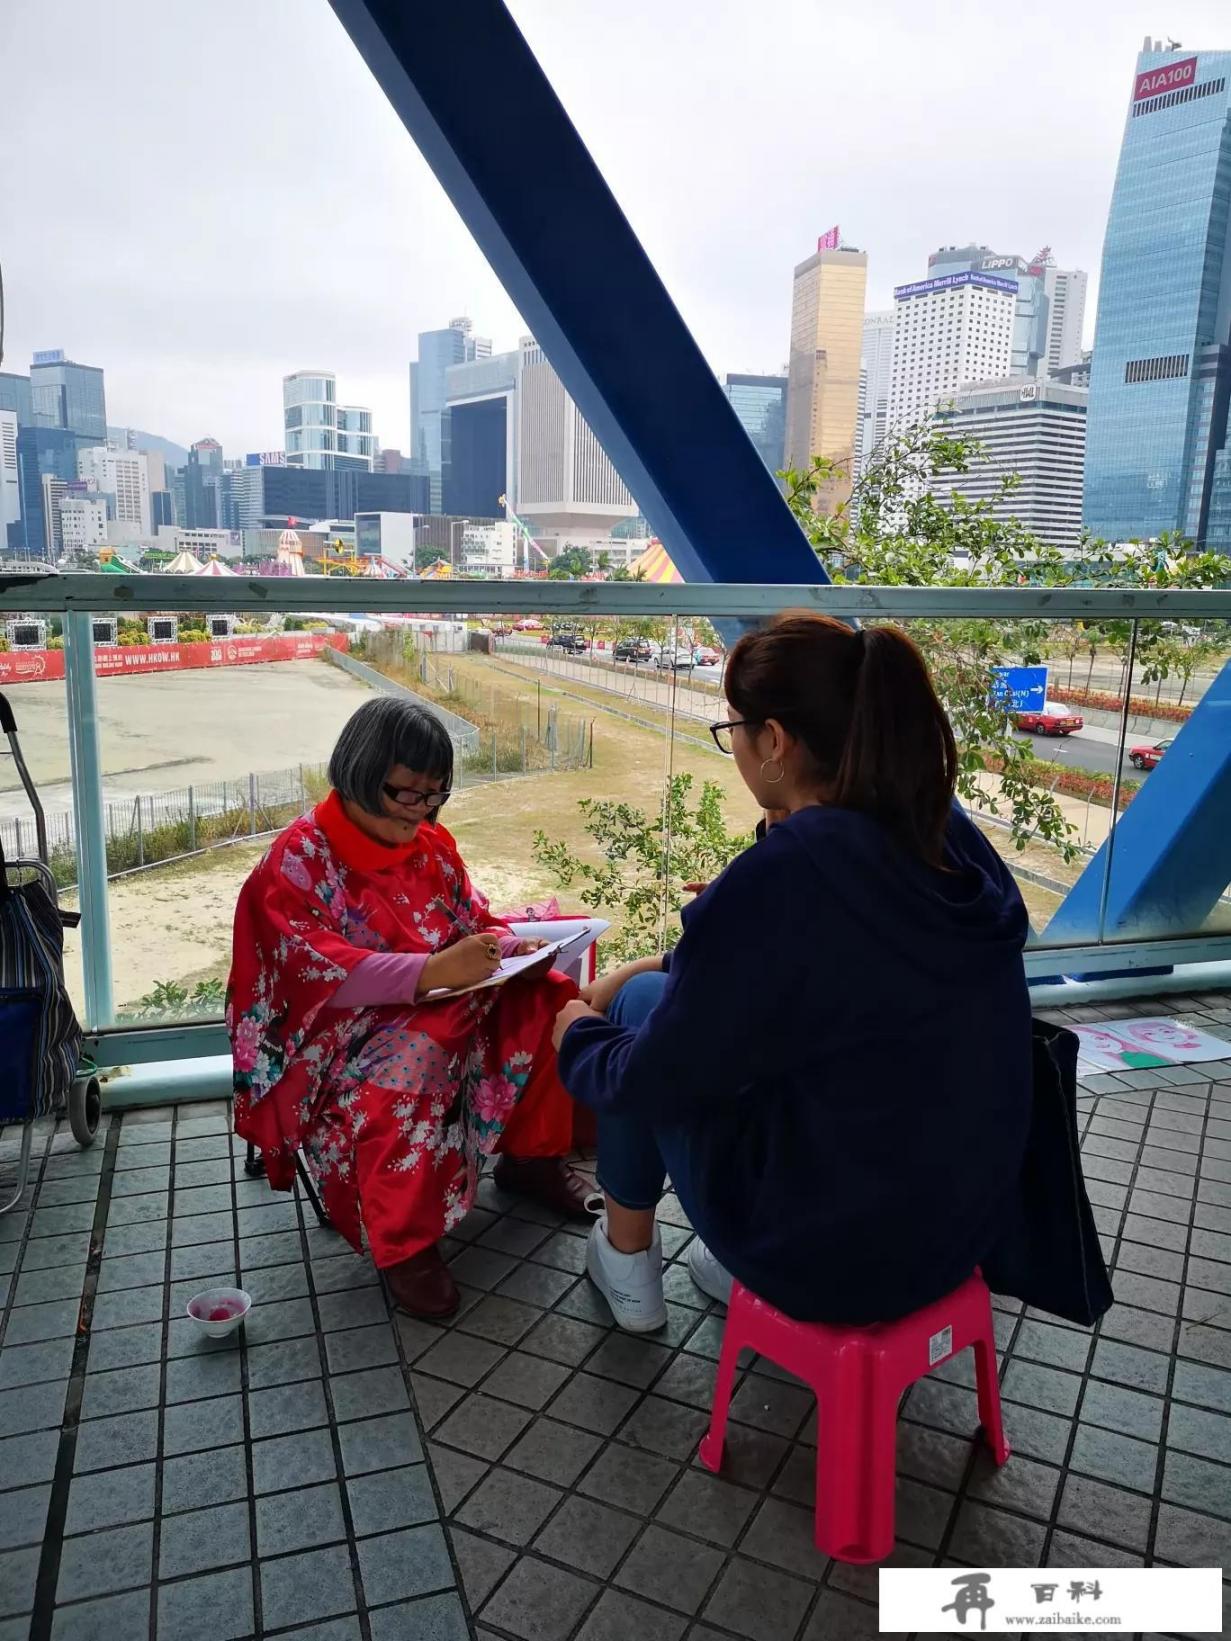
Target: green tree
point(569, 564)
point(897, 531)
point(645, 862)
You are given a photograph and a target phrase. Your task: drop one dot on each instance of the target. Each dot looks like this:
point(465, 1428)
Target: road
point(698, 696)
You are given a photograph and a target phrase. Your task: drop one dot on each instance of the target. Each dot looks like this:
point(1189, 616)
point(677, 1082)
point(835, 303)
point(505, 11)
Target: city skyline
point(345, 267)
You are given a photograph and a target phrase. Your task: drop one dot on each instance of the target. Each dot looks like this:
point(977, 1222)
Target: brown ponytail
point(863, 706)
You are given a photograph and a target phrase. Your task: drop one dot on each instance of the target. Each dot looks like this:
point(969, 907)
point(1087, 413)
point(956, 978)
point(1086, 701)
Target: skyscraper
point(15, 396)
point(481, 436)
point(203, 475)
point(10, 479)
point(1034, 431)
point(877, 356)
point(822, 406)
point(68, 395)
point(321, 433)
point(438, 350)
point(1034, 333)
point(947, 331)
point(1160, 378)
point(760, 404)
point(565, 479)
point(120, 476)
point(1066, 298)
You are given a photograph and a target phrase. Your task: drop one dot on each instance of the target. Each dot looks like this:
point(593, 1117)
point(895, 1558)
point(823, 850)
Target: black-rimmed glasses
point(408, 798)
point(722, 733)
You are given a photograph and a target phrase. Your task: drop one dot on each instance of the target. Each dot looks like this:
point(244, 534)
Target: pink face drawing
point(1100, 1042)
point(1161, 1035)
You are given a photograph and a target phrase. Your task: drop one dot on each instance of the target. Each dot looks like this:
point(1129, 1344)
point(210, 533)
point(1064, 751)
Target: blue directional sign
point(1019, 689)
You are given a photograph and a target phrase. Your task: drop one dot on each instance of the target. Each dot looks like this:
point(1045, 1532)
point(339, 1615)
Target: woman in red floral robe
point(358, 913)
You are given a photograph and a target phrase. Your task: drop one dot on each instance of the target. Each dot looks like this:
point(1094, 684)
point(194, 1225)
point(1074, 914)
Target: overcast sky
point(203, 197)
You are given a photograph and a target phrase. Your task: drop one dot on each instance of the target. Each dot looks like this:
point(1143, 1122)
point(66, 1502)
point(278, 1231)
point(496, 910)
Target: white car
point(673, 660)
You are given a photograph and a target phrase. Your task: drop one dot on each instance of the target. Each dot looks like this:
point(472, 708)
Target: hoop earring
point(772, 780)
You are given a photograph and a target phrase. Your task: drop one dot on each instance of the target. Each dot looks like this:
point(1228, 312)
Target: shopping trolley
point(40, 1039)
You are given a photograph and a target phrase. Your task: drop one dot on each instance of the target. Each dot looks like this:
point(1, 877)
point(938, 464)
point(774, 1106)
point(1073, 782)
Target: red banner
point(1170, 77)
point(131, 660)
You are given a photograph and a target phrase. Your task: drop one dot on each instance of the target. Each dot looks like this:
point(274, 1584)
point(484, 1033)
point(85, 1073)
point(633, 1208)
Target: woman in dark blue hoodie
point(834, 1064)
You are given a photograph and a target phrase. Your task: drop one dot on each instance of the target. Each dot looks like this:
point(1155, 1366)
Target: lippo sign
point(131, 660)
point(1171, 77)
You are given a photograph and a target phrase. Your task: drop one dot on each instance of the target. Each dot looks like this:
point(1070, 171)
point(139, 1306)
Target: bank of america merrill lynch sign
point(1171, 77)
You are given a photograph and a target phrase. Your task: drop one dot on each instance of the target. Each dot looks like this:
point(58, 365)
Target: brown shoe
point(423, 1286)
point(551, 1181)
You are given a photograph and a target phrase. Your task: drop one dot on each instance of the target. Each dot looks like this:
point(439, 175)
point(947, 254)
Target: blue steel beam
point(1170, 854)
point(523, 182)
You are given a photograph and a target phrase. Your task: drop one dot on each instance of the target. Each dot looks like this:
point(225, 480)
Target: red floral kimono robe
point(393, 1106)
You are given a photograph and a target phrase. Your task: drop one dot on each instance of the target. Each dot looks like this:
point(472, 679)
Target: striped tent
point(654, 565)
point(216, 567)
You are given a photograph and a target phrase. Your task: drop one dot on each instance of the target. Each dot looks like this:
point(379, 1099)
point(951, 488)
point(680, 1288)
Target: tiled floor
point(276, 1484)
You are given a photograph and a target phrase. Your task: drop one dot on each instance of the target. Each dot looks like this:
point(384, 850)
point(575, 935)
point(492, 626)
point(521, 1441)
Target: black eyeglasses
point(410, 799)
point(722, 733)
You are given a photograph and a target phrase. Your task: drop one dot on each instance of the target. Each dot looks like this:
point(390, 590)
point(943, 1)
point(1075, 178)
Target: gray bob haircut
point(384, 732)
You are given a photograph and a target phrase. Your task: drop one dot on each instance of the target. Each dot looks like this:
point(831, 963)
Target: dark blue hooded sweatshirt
point(839, 1070)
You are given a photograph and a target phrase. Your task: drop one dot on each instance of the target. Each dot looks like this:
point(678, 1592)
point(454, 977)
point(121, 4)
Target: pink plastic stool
point(859, 1375)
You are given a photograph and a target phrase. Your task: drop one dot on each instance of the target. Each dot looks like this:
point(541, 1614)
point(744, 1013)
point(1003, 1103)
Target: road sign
point(1019, 689)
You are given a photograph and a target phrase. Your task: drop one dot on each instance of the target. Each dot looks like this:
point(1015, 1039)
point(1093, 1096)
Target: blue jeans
point(631, 1166)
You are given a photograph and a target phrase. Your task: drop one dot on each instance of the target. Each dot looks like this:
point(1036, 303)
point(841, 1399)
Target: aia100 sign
point(1170, 77)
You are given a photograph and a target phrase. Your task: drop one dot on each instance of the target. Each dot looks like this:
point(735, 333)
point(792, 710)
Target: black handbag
point(1049, 1254)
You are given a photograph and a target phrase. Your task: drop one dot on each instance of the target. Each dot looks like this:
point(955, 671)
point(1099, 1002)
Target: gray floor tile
point(57, 1282)
point(636, 1481)
point(359, 1308)
point(314, 1584)
point(121, 1390)
point(28, 1459)
point(758, 1603)
point(430, 1618)
point(18, 1576)
point(1118, 1408)
point(553, 1452)
point(483, 1426)
point(482, 1564)
point(563, 1339)
point(216, 1476)
point(287, 1362)
point(31, 1323)
point(132, 1271)
point(1197, 1484)
point(293, 1461)
point(110, 1498)
point(539, 1602)
point(994, 1538)
point(104, 1563)
point(192, 1427)
point(454, 1474)
point(32, 1407)
point(375, 1390)
point(353, 1348)
point(529, 1381)
point(587, 1535)
point(35, 1364)
point(593, 1403)
point(671, 1569)
point(387, 1499)
point(214, 1607)
point(106, 1619)
point(379, 1443)
point(1207, 1386)
point(283, 1409)
point(50, 1252)
point(433, 1398)
point(1089, 1506)
point(343, 1273)
point(195, 1378)
point(332, 1629)
point(300, 1520)
point(128, 1306)
point(414, 1561)
point(23, 1515)
point(503, 1321)
point(127, 1438)
point(508, 1506)
point(707, 1507)
point(460, 1358)
point(202, 1539)
point(1196, 1430)
point(618, 1616)
point(669, 1428)
point(631, 1360)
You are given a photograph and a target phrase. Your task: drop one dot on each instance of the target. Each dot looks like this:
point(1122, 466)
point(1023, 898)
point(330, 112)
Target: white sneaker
point(632, 1284)
point(711, 1277)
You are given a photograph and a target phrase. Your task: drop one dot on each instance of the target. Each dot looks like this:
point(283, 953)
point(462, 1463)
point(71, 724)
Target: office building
point(1034, 430)
point(10, 476)
point(203, 544)
point(15, 397)
point(479, 442)
point(565, 480)
point(876, 353)
point(120, 476)
point(390, 461)
point(68, 396)
point(41, 451)
point(1065, 289)
point(760, 404)
point(54, 491)
point(950, 330)
point(203, 486)
point(321, 434)
point(262, 498)
point(82, 524)
point(1032, 319)
point(1160, 378)
point(390, 536)
point(438, 351)
point(822, 406)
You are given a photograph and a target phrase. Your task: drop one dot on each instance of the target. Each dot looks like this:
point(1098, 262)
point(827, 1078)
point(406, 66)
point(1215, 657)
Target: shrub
point(1138, 705)
point(171, 1001)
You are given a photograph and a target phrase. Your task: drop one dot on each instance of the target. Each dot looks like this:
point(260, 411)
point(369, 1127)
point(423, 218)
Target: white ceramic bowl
point(203, 1308)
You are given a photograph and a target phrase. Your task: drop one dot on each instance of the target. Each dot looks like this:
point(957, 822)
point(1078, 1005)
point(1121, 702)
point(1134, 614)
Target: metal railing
point(75, 597)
